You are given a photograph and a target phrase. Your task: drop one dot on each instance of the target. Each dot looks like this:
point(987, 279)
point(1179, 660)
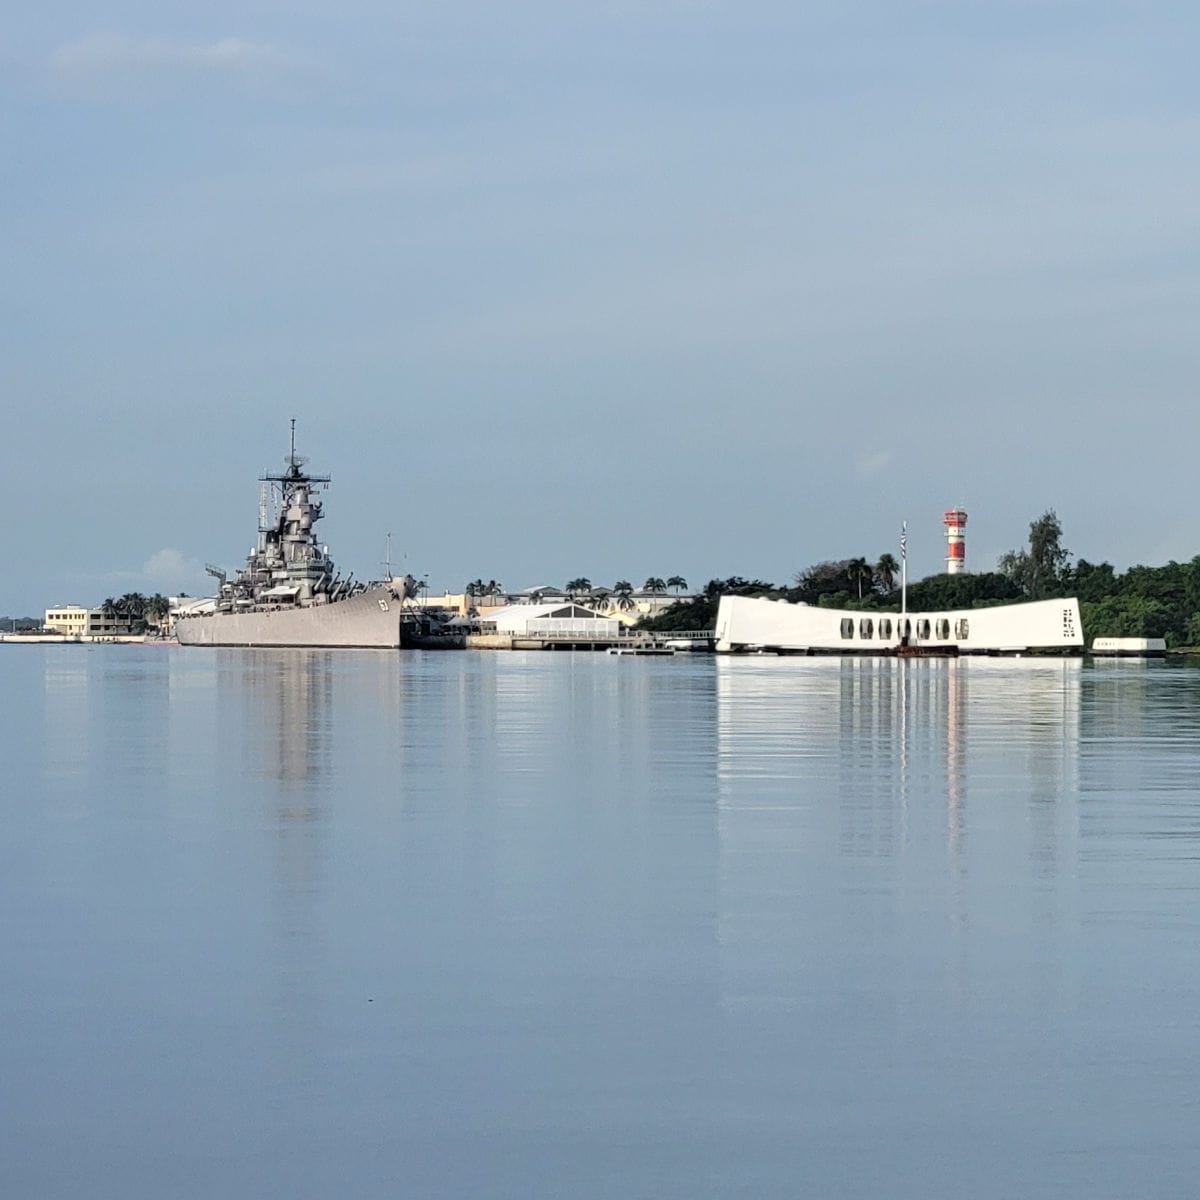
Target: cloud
point(872, 462)
point(168, 570)
point(116, 56)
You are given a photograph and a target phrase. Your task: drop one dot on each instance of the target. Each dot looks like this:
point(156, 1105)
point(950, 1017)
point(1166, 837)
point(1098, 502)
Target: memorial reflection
point(886, 732)
point(896, 766)
point(1140, 713)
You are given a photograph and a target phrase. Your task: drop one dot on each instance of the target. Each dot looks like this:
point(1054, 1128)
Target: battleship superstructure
point(289, 593)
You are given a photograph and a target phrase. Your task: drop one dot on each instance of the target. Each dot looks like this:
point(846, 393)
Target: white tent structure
point(563, 618)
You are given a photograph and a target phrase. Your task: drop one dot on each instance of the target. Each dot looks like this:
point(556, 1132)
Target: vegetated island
point(1142, 602)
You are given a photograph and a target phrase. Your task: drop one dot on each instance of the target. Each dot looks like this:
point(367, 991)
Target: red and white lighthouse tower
point(955, 521)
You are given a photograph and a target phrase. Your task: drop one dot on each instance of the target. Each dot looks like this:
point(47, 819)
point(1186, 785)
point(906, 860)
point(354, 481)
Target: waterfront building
point(71, 620)
point(102, 625)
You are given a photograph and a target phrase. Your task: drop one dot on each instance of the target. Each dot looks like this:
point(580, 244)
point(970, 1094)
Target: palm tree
point(493, 589)
point(131, 607)
point(582, 584)
point(654, 584)
point(157, 607)
point(677, 582)
point(623, 593)
point(885, 572)
point(859, 570)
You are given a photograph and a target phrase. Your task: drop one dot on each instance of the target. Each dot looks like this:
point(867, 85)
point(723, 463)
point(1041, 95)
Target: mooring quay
point(623, 643)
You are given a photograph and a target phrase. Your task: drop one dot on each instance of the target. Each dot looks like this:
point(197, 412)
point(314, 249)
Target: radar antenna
point(295, 460)
point(294, 473)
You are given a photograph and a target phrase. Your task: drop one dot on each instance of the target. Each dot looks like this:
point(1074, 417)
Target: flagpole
point(904, 569)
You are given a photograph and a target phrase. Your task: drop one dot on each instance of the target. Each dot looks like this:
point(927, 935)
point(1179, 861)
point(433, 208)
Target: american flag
point(904, 540)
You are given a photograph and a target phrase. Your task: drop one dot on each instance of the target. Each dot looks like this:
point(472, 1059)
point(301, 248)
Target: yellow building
point(69, 619)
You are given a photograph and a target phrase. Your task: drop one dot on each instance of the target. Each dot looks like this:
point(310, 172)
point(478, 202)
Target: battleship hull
point(369, 620)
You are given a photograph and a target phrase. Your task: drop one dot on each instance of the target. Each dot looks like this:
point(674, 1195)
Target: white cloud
point(872, 462)
point(168, 570)
point(115, 55)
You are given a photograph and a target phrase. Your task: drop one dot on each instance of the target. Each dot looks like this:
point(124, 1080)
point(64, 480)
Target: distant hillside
point(8, 624)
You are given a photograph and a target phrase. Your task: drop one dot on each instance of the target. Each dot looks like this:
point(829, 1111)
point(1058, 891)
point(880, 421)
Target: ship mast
point(263, 490)
point(291, 544)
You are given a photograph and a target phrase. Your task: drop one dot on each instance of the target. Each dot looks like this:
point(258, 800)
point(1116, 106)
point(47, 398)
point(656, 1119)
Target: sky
point(610, 290)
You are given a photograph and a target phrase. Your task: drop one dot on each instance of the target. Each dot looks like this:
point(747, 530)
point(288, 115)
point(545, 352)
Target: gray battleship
point(289, 593)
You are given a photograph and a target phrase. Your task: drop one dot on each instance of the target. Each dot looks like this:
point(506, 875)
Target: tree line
point(136, 611)
point(12, 624)
point(581, 588)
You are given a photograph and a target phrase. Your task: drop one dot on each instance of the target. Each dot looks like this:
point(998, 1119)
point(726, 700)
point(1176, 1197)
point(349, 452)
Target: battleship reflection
point(294, 692)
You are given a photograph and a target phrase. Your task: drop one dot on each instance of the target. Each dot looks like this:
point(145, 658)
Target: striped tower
point(955, 521)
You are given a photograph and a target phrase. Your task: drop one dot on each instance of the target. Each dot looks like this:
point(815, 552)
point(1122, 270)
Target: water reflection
point(886, 731)
point(102, 706)
point(894, 766)
point(759, 924)
point(1141, 760)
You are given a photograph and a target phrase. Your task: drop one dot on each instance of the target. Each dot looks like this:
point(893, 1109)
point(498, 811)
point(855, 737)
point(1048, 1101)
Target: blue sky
point(611, 289)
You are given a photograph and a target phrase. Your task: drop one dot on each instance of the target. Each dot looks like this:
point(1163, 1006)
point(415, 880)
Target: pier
point(683, 641)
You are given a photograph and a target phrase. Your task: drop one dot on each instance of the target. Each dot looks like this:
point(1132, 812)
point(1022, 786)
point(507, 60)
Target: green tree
point(157, 608)
point(1192, 630)
point(841, 576)
point(738, 586)
point(677, 582)
point(1090, 581)
point(861, 573)
point(700, 612)
point(654, 584)
point(1125, 616)
point(581, 584)
point(1039, 570)
point(946, 593)
point(886, 570)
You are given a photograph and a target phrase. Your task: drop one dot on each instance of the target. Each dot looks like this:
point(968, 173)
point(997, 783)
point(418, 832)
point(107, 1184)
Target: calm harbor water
point(513, 925)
